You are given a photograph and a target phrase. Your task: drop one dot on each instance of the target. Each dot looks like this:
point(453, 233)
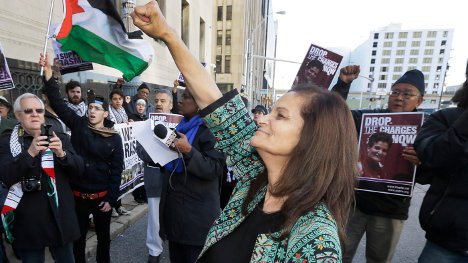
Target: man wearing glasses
point(381, 216)
point(36, 167)
point(95, 139)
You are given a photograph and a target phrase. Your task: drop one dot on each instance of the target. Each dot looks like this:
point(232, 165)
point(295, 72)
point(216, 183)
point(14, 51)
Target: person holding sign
point(295, 184)
point(381, 216)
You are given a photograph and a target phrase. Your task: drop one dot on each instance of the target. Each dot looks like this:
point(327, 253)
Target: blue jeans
point(433, 253)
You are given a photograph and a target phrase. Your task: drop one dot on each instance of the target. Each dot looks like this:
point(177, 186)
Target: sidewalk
point(118, 226)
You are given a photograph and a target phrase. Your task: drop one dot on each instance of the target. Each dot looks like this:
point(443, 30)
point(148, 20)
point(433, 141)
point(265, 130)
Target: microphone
point(161, 132)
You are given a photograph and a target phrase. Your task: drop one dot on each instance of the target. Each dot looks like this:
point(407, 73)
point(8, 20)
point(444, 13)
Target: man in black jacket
point(95, 139)
point(39, 210)
point(381, 216)
point(442, 147)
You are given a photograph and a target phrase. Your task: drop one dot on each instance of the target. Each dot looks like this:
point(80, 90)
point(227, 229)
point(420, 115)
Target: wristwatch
point(64, 156)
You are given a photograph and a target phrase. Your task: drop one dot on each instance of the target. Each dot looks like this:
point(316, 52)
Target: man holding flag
point(39, 209)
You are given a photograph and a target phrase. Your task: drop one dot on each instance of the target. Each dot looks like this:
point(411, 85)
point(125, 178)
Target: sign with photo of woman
point(382, 167)
point(319, 67)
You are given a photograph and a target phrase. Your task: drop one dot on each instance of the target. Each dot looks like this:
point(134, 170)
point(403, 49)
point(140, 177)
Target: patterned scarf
point(190, 129)
point(15, 192)
point(118, 115)
point(79, 109)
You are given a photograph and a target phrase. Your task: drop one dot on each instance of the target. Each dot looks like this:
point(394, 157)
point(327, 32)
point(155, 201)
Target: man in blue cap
point(381, 216)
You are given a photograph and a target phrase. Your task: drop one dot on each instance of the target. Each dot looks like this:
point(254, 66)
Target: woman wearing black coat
point(190, 198)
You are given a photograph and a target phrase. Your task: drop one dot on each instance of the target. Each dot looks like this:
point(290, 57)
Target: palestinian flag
point(94, 30)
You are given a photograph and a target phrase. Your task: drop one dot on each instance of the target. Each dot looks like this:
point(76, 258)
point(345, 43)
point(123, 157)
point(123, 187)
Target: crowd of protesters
point(247, 186)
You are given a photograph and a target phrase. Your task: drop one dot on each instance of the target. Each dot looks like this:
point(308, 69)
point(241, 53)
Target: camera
point(31, 184)
point(45, 131)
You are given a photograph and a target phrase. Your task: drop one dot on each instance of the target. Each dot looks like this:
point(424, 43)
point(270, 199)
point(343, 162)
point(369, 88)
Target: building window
point(401, 44)
point(427, 60)
point(374, 44)
point(417, 34)
point(441, 60)
point(219, 38)
point(443, 43)
point(428, 51)
point(374, 52)
point(387, 52)
point(411, 67)
point(415, 43)
point(430, 43)
point(218, 64)
point(388, 44)
point(414, 52)
point(229, 12)
point(383, 69)
point(403, 35)
point(388, 35)
point(442, 51)
point(228, 37)
point(383, 77)
point(426, 68)
point(397, 69)
point(432, 34)
point(220, 13)
point(185, 23)
point(413, 60)
point(399, 60)
point(445, 33)
point(372, 61)
point(376, 35)
point(439, 68)
point(382, 85)
point(396, 77)
point(371, 69)
point(227, 64)
point(385, 61)
point(400, 52)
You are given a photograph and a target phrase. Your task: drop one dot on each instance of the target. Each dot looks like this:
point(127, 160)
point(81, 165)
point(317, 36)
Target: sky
point(347, 24)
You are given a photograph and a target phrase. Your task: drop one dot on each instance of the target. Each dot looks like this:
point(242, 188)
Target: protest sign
point(132, 175)
point(181, 79)
point(319, 67)
point(6, 81)
point(170, 120)
point(383, 137)
point(69, 61)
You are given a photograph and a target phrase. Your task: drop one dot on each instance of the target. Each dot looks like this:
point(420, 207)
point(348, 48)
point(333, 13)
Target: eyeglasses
point(30, 111)
point(405, 94)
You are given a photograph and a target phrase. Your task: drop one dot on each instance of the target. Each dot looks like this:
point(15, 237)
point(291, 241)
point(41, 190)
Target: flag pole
point(48, 32)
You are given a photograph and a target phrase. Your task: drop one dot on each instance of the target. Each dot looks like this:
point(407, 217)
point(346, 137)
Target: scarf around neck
point(118, 115)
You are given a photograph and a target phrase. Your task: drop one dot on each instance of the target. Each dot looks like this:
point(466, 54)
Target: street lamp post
point(362, 90)
point(248, 66)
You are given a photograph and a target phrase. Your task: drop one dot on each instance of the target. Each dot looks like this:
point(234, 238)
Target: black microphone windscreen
point(160, 131)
